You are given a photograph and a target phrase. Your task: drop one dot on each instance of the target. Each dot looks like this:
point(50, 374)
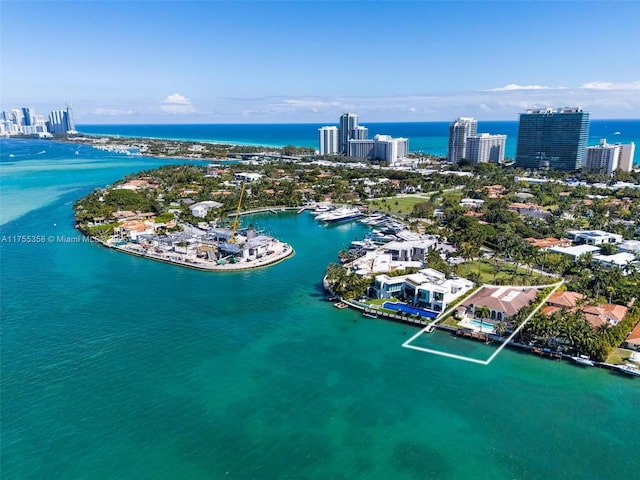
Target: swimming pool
point(401, 307)
point(484, 326)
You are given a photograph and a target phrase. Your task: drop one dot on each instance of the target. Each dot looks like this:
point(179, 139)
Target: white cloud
point(513, 86)
point(602, 99)
point(177, 104)
point(611, 86)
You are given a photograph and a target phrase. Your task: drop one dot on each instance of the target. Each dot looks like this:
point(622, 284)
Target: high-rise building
point(71, 123)
point(362, 148)
point(554, 139)
point(328, 140)
point(606, 158)
point(58, 122)
point(459, 130)
point(16, 116)
point(382, 147)
point(28, 116)
point(485, 147)
point(348, 126)
point(625, 163)
point(353, 141)
point(360, 133)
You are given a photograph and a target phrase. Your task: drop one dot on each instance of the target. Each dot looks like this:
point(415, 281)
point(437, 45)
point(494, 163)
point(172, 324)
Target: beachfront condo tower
point(485, 147)
point(606, 158)
point(347, 131)
point(459, 130)
point(553, 139)
point(328, 140)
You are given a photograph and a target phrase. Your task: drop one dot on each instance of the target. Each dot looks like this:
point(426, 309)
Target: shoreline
point(484, 337)
point(286, 251)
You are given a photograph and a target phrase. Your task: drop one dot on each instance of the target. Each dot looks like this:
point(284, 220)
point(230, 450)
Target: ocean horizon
point(424, 137)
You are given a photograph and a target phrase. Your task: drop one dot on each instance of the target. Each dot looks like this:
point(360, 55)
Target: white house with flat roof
point(413, 250)
point(576, 251)
point(629, 246)
point(247, 177)
point(593, 237)
point(471, 203)
point(201, 209)
point(428, 289)
point(620, 260)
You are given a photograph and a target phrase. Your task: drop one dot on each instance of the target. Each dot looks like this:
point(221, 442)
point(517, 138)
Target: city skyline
point(286, 62)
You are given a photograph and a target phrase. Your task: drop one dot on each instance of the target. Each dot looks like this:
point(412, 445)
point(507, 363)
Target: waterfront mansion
point(428, 289)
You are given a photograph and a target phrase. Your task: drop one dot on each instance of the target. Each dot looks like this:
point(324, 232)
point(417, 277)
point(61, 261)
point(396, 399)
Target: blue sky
point(212, 61)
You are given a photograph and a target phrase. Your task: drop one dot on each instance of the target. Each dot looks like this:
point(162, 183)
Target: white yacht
point(341, 214)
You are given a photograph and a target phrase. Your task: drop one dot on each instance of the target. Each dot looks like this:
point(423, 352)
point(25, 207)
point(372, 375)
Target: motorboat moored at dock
point(583, 360)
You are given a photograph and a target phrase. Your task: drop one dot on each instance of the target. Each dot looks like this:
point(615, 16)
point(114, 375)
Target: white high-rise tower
point(459, 130)
point(328, 140)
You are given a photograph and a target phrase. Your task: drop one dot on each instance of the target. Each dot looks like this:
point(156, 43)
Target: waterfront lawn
point(619, 356)
point(501, 273)
point(402, 205)
point(450, 321)
point(102, 231)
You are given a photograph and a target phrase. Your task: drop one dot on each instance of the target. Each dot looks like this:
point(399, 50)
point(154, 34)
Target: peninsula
point(153, 215)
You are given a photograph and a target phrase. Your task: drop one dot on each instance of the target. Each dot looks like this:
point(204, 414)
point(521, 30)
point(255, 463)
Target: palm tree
point(482, 312)
point(467, 252)
point(601, 279)
point(501, 327)
point(605, 333)
point(517, 252)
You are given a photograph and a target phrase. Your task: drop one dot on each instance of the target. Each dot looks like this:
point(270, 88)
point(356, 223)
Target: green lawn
point(504, 274)
point(164, 218)
point(619, 356)
point(396, 204)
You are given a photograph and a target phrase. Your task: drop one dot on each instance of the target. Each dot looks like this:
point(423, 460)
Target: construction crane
point(235, 223)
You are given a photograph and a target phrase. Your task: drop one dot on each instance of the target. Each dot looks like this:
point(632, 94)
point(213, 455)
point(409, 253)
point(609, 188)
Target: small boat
point(320, 209)
point(365, 244)
point(369, 315)
point(340, 305)
point(583, 360)
point(629, 369)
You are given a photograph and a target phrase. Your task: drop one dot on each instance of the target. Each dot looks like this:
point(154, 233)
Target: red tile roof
point(634, 336)
point(503, 299)
point(605, 312)
point(564, 299)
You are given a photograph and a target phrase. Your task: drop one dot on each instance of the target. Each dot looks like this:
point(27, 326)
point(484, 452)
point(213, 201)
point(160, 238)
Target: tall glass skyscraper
point(348, 126)
point(554, 139)
point(28, 116)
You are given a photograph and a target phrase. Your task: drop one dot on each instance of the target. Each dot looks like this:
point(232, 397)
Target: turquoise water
point(427, 137)
point(118, 367)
